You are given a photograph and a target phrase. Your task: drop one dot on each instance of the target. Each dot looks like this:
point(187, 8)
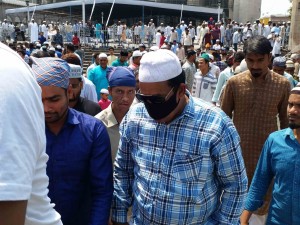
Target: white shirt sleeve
point(22, 140)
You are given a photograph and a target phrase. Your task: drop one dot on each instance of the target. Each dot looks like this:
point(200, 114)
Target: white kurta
point(45, 31)
point(34, 31)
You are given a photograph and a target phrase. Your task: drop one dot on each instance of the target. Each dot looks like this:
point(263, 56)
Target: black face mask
point(160, 110)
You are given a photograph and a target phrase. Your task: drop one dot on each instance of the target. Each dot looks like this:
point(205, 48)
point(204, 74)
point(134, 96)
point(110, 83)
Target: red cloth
point(162, 40)
point(104, 103)
point(76, 40)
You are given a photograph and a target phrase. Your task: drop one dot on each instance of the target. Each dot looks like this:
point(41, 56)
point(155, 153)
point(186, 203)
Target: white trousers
point(258, 219)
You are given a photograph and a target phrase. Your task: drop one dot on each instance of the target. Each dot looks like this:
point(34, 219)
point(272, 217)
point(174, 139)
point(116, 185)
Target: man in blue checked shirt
point(179, 159)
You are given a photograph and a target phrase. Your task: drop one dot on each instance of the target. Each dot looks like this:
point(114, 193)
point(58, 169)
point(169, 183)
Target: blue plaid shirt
point(190, 171)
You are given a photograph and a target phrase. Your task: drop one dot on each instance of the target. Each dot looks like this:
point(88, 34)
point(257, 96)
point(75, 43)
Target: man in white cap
point(136, 58)
point(179, 159)
point(295, 57)
point(44, 29)
point(279, 66)
point(183, 26)
point(23, 180)
point(279, 160)
point(98, 75)
point(75, 100)
point(34, 31)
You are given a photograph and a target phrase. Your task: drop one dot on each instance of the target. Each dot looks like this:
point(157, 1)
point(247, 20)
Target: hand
point(244, 219)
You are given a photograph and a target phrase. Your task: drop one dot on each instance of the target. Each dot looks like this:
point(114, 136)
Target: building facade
point(238, 10)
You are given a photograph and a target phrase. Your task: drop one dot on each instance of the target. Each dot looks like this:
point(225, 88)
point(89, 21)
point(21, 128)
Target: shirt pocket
point(205, 85)
point(186, 168)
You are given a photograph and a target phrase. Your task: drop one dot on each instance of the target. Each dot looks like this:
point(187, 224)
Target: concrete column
point(230, 8)
point(294, 42)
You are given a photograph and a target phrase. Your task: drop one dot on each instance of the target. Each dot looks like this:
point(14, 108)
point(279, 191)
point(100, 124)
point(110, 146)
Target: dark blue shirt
point(280, 159)
point(80, 170)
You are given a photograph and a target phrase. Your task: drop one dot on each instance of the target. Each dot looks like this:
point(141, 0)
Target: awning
point(186, 8)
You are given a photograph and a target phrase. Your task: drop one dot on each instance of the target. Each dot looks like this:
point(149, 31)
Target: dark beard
point(294, 126)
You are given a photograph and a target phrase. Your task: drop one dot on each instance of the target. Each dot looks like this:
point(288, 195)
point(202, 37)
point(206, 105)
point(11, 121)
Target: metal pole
point(27, 4)
point(219, 8)
point(70, 14)
point(110, 12)
point(93, 10)
point(181, 13)
point(143, 25)
point(83, 20)
point(102, 14)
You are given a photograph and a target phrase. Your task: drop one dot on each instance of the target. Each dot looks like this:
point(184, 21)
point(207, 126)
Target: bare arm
point(12, 212)
point(244, 219)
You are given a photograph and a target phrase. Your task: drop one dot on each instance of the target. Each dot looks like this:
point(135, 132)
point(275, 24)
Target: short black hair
point(239, 56)
point(124, 53)
point(70, 47)
point(176, 81)
point(257, 44)
point(41, 54)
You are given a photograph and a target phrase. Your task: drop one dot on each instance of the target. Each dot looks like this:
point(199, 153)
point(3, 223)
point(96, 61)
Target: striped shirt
point(204, 86)
point(190, 171)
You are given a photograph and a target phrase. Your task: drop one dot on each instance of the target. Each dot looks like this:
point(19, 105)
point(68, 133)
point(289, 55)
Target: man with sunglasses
point(179, 160)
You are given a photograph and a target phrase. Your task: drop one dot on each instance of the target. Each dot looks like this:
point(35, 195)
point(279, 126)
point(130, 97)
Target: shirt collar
point(72, 119)
point(268, 76)
point(111, 119)
point(189, 109)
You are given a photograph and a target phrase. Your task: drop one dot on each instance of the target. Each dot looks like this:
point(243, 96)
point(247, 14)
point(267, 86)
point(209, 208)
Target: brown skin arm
point(12, 212)
point(244, 219)
point(227, 103)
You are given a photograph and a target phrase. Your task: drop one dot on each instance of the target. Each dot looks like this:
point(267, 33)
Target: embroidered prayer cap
point(295, 56)
point(279, 61)
point(296, 89)
point(75, 71)
point(206, 57)
point(154, 48)
point(121, 76)
point(104, 91)
point(137, 53)
point(158, 66)
point(51, 71)
point(102, 55)
point(289, 64)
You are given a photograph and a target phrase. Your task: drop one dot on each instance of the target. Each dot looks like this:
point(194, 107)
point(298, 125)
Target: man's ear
point(110, 91)
point(181, 90)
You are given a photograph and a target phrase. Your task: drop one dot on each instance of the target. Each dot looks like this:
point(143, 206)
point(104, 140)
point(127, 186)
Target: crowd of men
point(167, 134)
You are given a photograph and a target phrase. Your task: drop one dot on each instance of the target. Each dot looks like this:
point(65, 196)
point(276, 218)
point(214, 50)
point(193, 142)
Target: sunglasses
point(152, 99)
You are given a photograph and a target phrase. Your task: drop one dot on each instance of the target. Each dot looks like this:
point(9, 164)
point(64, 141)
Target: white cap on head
point(158, 66)
point(211, 57)
point(294, 56)
point(104, 91)
point(75, 71)
point(137, 53)
point(58, 46)
point(154, 48)
point(102, 55)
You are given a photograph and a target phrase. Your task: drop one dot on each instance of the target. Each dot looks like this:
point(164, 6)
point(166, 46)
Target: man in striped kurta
point(253, 99)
